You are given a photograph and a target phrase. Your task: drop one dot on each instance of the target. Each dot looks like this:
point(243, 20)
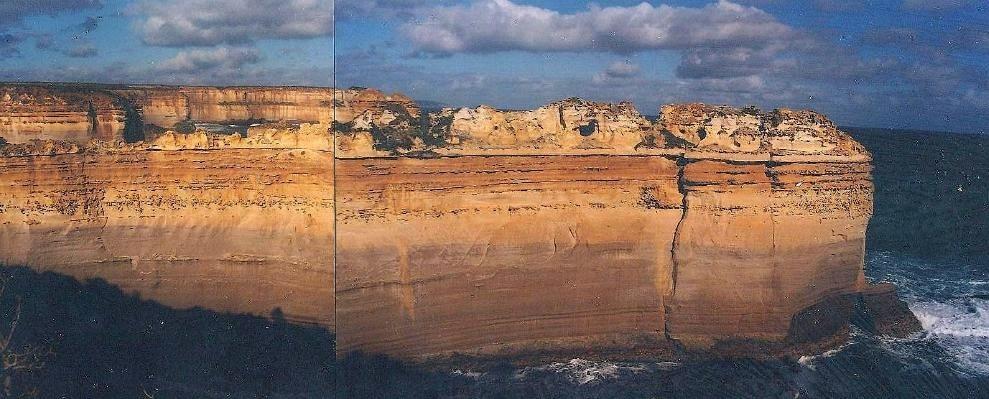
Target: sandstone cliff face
point(160, 106)
point(244, 228)
point(715, 228)
point(80, 113)
point(577, 228)
point(571, 125)
point(728, 130)
point(368, 122)
point(29, 112)
point(167, 106)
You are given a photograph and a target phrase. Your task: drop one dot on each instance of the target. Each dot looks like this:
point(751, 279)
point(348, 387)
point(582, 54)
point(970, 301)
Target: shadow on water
point(863, 369)
point(108, 344)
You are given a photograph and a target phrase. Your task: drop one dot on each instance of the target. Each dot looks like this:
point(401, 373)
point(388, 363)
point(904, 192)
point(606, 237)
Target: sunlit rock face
point(504, 255)
point(40, 112)
point(575, 229)
point(166, 106)
point(713, 230)
point(227, 104)
point(228, 223)
point(368, 122)
point(81, 113)
point(761, 241)
point(160, 106)
point(573, 125)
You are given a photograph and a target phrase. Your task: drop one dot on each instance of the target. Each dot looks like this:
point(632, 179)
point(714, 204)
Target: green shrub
point(185, 127)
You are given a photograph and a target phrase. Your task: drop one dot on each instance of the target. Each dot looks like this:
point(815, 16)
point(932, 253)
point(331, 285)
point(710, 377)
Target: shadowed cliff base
point(108, 344)
point(865, 365)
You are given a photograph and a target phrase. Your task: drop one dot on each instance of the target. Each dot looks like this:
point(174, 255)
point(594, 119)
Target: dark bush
point(185, 127)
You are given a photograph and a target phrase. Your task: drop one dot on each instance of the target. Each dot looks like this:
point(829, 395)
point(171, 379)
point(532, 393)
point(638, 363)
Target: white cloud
point(198, 61)
point(502, 25)
point(180, 23)
point(82, 50)
point(621, 69)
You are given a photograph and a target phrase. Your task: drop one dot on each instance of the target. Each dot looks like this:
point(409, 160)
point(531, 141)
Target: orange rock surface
point(243, 229)
point(575, 229)
point(583, 229)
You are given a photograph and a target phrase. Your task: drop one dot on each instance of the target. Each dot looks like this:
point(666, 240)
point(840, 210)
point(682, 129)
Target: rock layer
point(41, 112)
point(80, 113)
point(246, 229)
point(583, 229)
point(577, 228)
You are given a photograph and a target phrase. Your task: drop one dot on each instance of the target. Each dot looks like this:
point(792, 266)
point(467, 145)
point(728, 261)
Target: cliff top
point(579, 126)
point(369, 122)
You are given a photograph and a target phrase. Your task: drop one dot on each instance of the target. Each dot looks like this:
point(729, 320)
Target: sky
point(917, 64)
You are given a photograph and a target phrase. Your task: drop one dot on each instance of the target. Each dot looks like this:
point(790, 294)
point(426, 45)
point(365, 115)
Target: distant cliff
point(80, 113)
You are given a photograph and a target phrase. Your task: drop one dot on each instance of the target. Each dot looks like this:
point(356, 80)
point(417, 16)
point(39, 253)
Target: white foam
point(809, 361)
point(467, 373)
point(957, 318)
point(581, 372)
point(961, 327)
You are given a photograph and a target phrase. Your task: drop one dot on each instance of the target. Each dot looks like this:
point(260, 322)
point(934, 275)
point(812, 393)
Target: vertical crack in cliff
point(774, 184)
point(674, 266)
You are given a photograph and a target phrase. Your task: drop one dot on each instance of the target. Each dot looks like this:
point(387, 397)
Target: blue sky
point(893, 63)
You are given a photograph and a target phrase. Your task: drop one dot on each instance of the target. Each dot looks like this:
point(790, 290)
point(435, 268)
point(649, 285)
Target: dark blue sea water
point(929, 236)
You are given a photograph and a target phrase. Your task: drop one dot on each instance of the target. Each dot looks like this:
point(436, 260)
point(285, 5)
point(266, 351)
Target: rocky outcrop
point(368, 122)
point(307, 136)
point(885, 313)
point(712, 230)
point(40, 112)
point(80, 113)
point(167, 106)
point(572, 125)
point(575, 229)
point(728, 130)
point(160, 106)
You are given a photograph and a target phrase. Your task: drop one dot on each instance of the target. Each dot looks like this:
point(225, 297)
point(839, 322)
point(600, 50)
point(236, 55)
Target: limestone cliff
point(83, 112)
point(714, 229)
point(577, 228)
point(568, 125)
point(231, 224)
point(166, 106)
point(42, 112)
point(368, 122)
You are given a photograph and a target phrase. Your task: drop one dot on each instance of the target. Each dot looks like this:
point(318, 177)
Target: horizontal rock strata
point(584, 229)
point(80, 113)
point(41, 112)
point(574, 229)
point(244, 228)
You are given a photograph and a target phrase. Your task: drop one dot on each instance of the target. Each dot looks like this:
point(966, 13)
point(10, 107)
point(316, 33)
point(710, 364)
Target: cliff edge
point(577, 228)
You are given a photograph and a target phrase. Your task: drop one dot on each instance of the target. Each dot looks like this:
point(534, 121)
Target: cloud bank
point(184, 23)
point(501, 25)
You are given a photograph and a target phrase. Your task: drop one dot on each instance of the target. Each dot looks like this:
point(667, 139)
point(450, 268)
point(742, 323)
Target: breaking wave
point(949, 299)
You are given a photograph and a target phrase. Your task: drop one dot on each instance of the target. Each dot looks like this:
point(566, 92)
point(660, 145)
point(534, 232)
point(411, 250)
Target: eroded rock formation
point(31, 112)
point(714, 229)
point(80, 113)
point(577, 228)
point(228, 223)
